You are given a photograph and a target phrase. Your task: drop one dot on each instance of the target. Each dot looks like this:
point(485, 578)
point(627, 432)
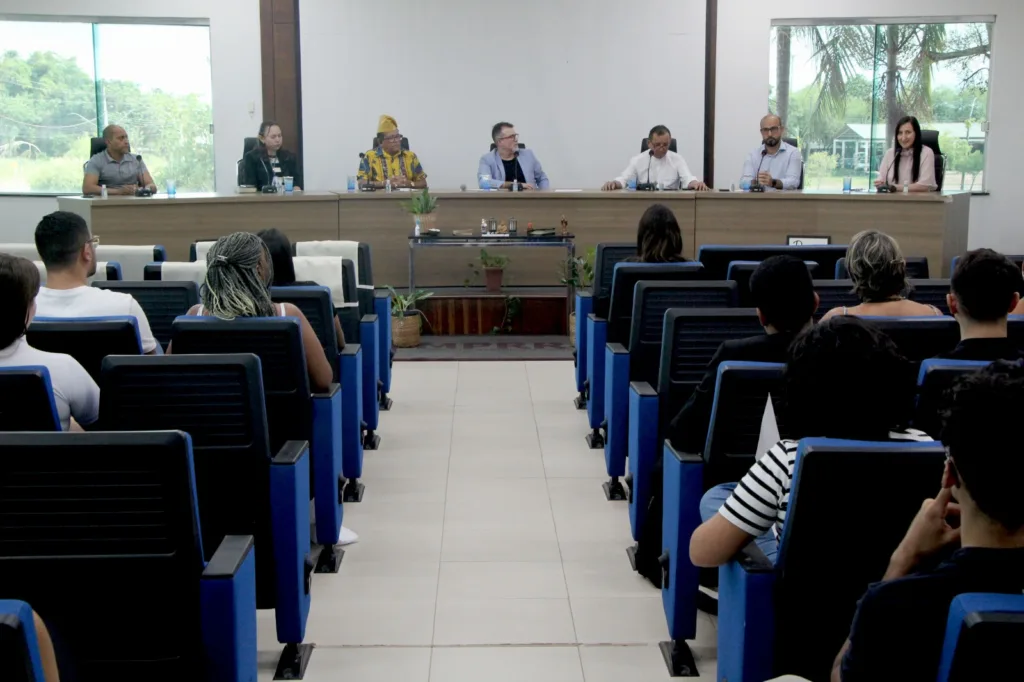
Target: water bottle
point(483, 226)
point(906, 187)
point(103, 191)
point(416, 230)
point(515, 185)
point(387, 186)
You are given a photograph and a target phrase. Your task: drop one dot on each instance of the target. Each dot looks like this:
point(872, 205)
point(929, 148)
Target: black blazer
point(688, 432)
point(257, 170)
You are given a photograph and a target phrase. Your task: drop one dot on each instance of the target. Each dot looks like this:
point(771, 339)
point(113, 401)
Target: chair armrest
point(596, 318)
point(684, 457)
point(289, 499)
point(382, 306)
point(597, 335)
point(369, 336)
point(351, 360)
point(584, 294)
point(369, 319)
point(333, 390)
point(642, 451)
point(349, 350)
point(643, 389)
point(616, 408)
point(227, 593)
point(381, 293)
point(746, 616)
point(584, 306)
point(682, 489)
point(326, 450)
point(616, 348)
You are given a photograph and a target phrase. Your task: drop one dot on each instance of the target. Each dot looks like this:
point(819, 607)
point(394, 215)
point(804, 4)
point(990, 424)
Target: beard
point(771, 141)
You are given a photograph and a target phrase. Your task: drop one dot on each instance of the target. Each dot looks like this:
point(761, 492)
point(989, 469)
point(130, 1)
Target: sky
point(175, 59)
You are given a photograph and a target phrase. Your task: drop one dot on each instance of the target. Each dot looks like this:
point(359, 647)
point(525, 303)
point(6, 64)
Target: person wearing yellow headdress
point(389, 161)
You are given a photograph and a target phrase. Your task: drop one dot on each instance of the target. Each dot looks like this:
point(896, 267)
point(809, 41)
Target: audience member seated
point(983, 291)
point(74, 392)
point(284, 269)
point(658, 237)
point(783, 294)
point(239, 270)
point(844, 379)
point(879, 275)
point(898, 630)
point(69, 253)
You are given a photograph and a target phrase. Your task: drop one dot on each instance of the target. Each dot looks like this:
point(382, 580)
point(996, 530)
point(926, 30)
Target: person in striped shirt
point(844, 379)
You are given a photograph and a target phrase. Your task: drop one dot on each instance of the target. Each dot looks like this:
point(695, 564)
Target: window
point(61, 83)
point(841, 88)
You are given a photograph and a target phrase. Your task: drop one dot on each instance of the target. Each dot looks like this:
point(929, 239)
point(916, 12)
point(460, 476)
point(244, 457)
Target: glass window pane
point(155, 82)
point(47, 105)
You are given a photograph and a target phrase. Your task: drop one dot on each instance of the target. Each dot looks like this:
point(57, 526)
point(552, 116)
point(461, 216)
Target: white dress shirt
point(668, 172)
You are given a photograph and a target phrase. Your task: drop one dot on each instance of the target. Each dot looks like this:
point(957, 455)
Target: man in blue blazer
point(507, 162)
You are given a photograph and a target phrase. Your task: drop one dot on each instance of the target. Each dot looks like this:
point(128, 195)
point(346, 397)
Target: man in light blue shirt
point(774, 164)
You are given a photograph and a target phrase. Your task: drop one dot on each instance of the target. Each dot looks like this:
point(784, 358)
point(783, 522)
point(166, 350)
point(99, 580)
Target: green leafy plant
point(578, 271)
point(513, 309)
point(486, 261)
point(421, 203)
point(403, 305)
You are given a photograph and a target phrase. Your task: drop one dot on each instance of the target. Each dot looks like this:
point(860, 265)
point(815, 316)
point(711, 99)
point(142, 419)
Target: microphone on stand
point(886, 189)
point(755, 185)
point(141, 190)
point(647, 186)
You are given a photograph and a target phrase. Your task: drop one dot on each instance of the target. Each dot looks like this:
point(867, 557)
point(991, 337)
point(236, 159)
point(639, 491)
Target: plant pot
point(572, 329)
point(405, 331)
point(428, 221)
point(492, 278)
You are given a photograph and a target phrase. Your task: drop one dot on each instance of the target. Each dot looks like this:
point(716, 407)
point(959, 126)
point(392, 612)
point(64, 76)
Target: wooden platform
point(528, 311)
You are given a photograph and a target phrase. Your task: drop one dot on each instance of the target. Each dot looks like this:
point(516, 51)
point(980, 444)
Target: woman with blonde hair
point(879, 273)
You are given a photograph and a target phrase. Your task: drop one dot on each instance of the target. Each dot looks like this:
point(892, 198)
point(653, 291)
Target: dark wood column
point(710, 81)
point(282, 69)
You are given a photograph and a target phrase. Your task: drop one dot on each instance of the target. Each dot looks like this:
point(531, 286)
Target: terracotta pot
point(492, 278)
point(405, 331)
point(572, 329)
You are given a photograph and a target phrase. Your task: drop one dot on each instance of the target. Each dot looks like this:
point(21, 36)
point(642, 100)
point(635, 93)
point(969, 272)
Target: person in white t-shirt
point(659, 167)
point(75, 394)
point(69, 254)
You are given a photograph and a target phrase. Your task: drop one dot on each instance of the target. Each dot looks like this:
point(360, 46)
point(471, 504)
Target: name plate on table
point(811, 240)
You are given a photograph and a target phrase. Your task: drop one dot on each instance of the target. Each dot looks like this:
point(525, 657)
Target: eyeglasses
point(510, 137)
point(660, 145)
point(391, 138)
point(773, 129)
point(94, 240)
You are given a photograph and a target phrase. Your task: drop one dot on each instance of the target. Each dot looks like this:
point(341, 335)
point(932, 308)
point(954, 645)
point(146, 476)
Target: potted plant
point(577, 272)
point(406, 319)
point(423, 206)
point(493, 267)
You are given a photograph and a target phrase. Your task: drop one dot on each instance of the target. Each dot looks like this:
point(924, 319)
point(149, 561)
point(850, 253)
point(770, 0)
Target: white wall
point(237, 81)
point(742, 93)
point(582, 80)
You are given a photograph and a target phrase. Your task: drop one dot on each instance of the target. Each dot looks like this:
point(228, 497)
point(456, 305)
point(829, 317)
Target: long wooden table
point(931, 225)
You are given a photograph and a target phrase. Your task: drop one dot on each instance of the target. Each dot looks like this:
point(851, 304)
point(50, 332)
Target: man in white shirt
point(69, 254)
point(659, 167)
point(774, 164)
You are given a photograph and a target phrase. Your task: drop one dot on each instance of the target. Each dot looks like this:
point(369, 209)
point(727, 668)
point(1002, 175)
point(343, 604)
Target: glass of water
point(745, 184)
point(172, 188)
point(485, 181)
point(631, 185)
point(351, 183)
point(847, 184)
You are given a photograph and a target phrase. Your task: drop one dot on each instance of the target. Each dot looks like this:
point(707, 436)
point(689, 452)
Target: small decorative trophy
point(565, 226)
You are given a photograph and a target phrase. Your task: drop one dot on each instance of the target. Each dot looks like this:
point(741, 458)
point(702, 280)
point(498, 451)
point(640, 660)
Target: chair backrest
point(248, 144)
point(405, 142)
point(315, 304)
point(358, 253)
point(827, 494)
point(26, 400)
point(605, 258)
point(20, 660)
point(741, 394)
point(651, 300)
point(690, 339)
point(175, 271)
point(114, 547)
point(716, 257)
point(793, 142)
point(21, 250)
point(983, 637)
point(197, 250)
point(624, 279)
point(161, 301)
point(105, 272)
point(326, 271)
point(930, 138)
point(86, 339)
point(97, 145)
point(645, 144)
point(1015, 329)
point(277, 342)
point(919, 338)
point(834, 293)
point(934, 380)
point(740, 271)
point(133, 259)
point(917, 268)
point(930, 292)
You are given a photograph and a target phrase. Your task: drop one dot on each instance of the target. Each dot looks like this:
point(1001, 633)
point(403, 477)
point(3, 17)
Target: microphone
point(756, 185)
point(647, 186)
point(141, 190)
point(462, 188)
point(519, 169)
point(884, 177)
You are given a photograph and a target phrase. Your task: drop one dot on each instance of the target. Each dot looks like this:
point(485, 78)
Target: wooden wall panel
point(282, 69)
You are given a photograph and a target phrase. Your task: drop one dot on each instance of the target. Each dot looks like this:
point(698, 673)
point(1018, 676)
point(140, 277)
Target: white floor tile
point(472, 543)
point(369, 664)
point(634, 663)
point(606, 579)
point(512, 464)
point(506, 664)
point(635, 620)
point(501, 580)
point(503, 621)
point(409, 463)
point(371, 622)
point(579, 464)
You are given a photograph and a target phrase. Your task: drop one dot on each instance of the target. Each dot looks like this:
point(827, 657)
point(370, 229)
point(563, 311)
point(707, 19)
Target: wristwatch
point(776, 183)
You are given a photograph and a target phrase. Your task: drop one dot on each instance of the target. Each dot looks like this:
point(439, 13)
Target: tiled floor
point(487, 549)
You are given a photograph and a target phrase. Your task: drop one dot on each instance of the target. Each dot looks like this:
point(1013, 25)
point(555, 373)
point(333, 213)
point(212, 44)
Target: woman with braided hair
point(879, 273)
point(239, 271)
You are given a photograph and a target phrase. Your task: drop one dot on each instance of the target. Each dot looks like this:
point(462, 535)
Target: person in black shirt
point(898, 630)
point(658, 237)
point(269, 160)
point(983, 291)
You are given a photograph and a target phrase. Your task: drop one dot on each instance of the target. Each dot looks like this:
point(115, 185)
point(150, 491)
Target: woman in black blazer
point(268, 160)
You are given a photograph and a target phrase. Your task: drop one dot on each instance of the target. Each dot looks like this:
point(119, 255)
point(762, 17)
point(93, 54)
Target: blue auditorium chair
point(382, 308)
point(315, 304)
point(741, 395)
point(637, 357)
point(834, 293)
point(20, 659)
point(595, 301)
point(934, 379)
point(984, 632)
point(716, 257)
point(161, 301)
point(86, 339)
point(132, 259)
point(614, 328)
point(293, 413)
point(119, 561)
point(26, 400)
point(930, 292)
point(919, 338)
point(740, 271)
point(174, 271)
point(793, 617)
point(917, 268)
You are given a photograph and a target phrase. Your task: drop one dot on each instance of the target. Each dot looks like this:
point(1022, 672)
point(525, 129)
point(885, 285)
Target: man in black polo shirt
point(898, 630)
point(983, 291)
